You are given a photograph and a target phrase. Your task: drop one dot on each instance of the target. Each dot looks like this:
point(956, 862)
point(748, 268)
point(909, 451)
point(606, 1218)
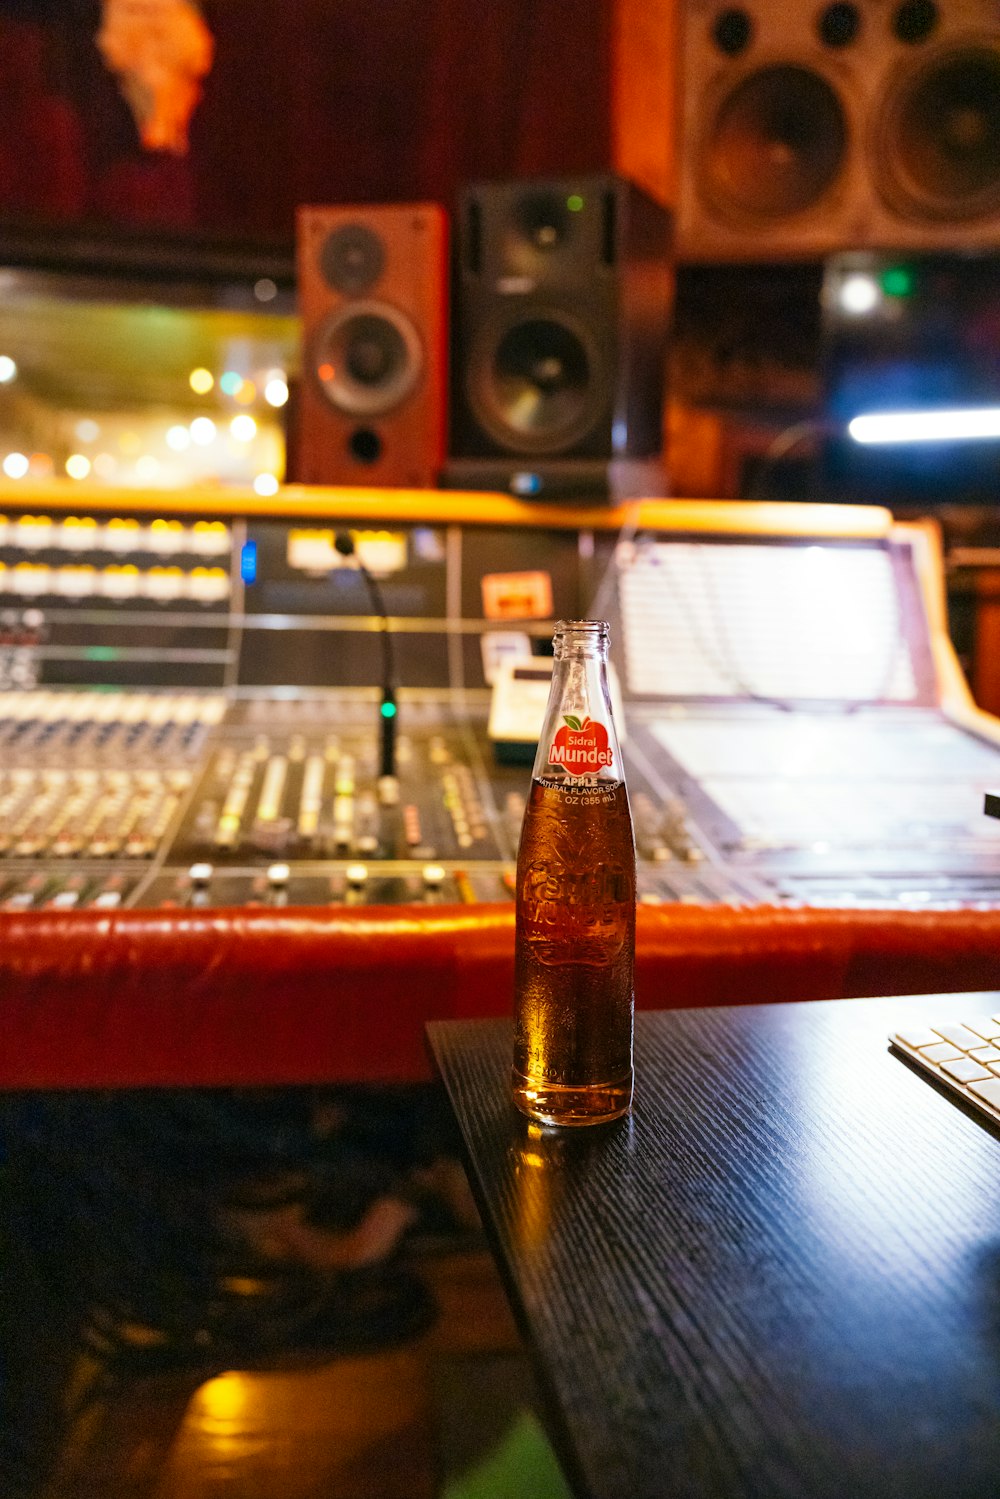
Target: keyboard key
point(942, 1052)
point(988, 1092)
point(986, 1027)
point(965, 1071)
point(959, 1035)
point(918, 1036)
point(959, 1059)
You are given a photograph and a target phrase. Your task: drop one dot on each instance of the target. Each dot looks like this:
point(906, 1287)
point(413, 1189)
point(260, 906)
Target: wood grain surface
point(779, 1277)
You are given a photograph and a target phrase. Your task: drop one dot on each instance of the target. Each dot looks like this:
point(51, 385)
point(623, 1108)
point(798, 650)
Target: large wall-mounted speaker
point(373, 299)
point(808, 128)
point(561, 314)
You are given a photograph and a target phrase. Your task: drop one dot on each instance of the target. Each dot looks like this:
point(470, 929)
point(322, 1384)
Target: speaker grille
point(807, 129)
point(940, 138)
point(534, 383)
point(367, 358)
point(775, 144)
point(352, 259)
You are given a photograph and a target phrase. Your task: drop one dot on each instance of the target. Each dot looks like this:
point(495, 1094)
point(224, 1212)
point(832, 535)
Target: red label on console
point(580, 748)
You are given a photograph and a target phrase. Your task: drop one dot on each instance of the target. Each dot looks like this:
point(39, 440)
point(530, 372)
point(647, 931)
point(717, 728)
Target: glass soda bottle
point(575, 914)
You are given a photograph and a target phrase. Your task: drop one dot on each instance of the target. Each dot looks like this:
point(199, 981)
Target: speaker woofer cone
point(534, 383)
point(939, 142)
point(775, 144)
point(366, 358)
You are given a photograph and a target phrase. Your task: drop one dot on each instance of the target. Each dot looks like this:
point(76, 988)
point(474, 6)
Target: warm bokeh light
point(265, 484)
point(203, 431)
point(104, 465)
point(210, 537)
point(8, 369)
point(87, 430)
point(178, 438)
point(119, 582)
point(276, 391)
point(247, 393)
point(77, 466)
point(165, 535)
point(201, 381)
point(243, 428)
point(15, 465)
point(77, 533)
point(130, 442)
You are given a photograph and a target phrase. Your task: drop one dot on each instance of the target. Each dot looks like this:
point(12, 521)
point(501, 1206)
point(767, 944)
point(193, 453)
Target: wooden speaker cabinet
point(373, 299)
point(855, 124)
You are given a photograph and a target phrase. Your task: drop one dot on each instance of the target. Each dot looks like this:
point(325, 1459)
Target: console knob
point(200, 876)
point(278, 876)
point(433, 876)
point(357, 875)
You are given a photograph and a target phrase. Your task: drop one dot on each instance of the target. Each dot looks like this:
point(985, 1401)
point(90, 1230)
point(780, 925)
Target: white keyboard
point(964, 1056)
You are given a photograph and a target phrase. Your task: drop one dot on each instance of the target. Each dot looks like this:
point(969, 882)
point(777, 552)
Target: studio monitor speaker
point(811, 127)
point(373, 296)
point(562, 301)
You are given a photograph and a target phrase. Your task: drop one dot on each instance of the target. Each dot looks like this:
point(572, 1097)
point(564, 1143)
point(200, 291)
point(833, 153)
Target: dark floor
point(253, 1297)
point(446, 1415)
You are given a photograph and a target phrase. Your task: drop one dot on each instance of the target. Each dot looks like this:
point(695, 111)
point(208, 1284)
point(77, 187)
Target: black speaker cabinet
point(811, 128)
point(561, 312)
point(373, 297)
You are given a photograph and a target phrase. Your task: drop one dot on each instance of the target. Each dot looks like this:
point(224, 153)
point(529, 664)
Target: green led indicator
point(897, 282)
point(101, 653)
point(388, 710)
point(574, 203)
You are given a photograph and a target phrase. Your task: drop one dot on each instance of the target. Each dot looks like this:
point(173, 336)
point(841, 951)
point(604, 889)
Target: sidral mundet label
point(580, 747)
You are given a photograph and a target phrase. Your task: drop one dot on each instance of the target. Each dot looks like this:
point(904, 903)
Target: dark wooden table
point(779, 1277)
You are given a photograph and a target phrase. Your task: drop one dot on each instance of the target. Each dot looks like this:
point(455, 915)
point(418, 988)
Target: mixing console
point(149, 799)
point(189, 712)
point(110, 798)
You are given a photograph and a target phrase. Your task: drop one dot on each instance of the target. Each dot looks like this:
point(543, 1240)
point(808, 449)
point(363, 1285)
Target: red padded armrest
point(259, 996)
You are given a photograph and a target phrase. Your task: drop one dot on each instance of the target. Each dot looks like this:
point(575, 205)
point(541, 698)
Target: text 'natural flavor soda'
point(575, 918)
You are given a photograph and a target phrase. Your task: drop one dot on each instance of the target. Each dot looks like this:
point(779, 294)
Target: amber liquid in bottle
point(575, 939)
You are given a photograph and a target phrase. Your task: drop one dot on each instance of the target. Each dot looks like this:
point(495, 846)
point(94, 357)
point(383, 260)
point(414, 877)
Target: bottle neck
point(578, 743)
point(581, 639)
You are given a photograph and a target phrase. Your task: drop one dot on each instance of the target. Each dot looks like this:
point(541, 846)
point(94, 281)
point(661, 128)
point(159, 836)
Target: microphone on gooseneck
point(344, 543)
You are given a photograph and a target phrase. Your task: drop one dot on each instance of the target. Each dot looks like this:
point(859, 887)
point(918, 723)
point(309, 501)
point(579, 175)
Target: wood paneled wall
point(644, 96)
